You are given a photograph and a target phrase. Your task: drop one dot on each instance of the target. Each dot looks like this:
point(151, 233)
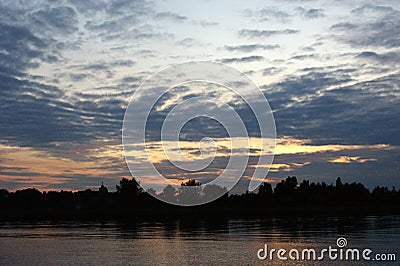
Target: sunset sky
point(330, 71)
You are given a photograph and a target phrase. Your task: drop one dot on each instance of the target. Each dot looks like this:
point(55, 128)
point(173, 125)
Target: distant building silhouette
point(103, 189)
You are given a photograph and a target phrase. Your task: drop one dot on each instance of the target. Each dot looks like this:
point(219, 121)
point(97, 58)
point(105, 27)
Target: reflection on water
point(187, 241)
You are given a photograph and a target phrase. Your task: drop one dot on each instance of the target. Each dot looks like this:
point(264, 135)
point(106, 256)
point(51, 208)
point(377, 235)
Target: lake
point(195, 242)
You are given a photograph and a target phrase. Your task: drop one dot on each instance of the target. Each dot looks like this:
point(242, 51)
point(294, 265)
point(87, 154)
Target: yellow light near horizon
point(93, 161)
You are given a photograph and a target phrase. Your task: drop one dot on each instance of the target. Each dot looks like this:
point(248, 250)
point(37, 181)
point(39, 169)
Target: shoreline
point(198, 212)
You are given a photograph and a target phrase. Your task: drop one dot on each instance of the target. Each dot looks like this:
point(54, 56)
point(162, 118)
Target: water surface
point(190, 241)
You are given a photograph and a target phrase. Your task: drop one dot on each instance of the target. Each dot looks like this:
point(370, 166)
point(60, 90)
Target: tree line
point(129, 198)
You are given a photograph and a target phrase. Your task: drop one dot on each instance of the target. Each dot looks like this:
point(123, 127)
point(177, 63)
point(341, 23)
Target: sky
point(330, 72)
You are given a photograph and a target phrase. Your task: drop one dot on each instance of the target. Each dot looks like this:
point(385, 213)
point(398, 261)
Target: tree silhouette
point(190, 183)
point(189, 192)
point(169, 194)
point(213, 191)
point(285, 190)
point(265, 190)
point(288, 195)
point(129, 187)
point(128, 191)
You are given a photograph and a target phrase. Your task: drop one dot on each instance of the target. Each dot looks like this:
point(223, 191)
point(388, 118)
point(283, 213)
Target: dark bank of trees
point(291, 193)
point(130, 200)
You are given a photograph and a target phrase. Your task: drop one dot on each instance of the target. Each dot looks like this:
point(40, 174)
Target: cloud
point(109, 30)
point(268, 14)
point(78, 76)
point(271, 71)
point(303, 57)
point(21, 49)
point(372, 10)
point(265, 33)
point(124, 7)
point(350, 159)
point(29, 106)
point(68, 69)
point(330, 105)
point(102, 66)
point(170, 15)
point(370, 26)
point(27, 167)
point(60, 20)
point(276, 14)
point(89, 7)
point(367, 54)
point(281, 167)
point(311, 13)
point(382, 58)
point(343, 26)
point(310, 82)
point(39, 115)
point(246, 48)
point(245, 59)
point(188, 42)
point(205, 23)
point(123, 20)
point(292, 156)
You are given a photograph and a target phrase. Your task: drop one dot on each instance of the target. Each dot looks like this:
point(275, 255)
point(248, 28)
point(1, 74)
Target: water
point(191, 242)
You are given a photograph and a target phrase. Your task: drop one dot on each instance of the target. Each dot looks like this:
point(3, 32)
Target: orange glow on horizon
point(39, 168)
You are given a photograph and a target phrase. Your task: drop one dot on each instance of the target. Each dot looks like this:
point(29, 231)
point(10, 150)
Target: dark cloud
point(251, 47)
point(268, 14)
point(245, 59)
point(273, 12)
point(188, 42)
point(33, 114)
point(111, 29)
point(370, 25)
point(91, 70)
point(311, 81)
point(343, 26)
point(25, 173)
point(124, 7)
point(171, 16)
point(59, 20)
point(367, 55)
point(78, 76)
point(265, 33)
point(88, 7)
point(276, 14)
point(122, 63)
point(271, 71)
point(20, 49)
point(47, 22)
point(303, 56)
point(134, 80)
point(362, 113)
point(103, 65)
point(372, 10)
point(311, 13)
point(327, 104)
point(145, 53)
point(308, 49)
point(123, 20)
point(200, 127)
point(38, 115)
point(382, 58)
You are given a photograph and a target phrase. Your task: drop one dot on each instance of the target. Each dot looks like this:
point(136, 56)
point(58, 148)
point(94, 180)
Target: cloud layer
point(330, 73)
